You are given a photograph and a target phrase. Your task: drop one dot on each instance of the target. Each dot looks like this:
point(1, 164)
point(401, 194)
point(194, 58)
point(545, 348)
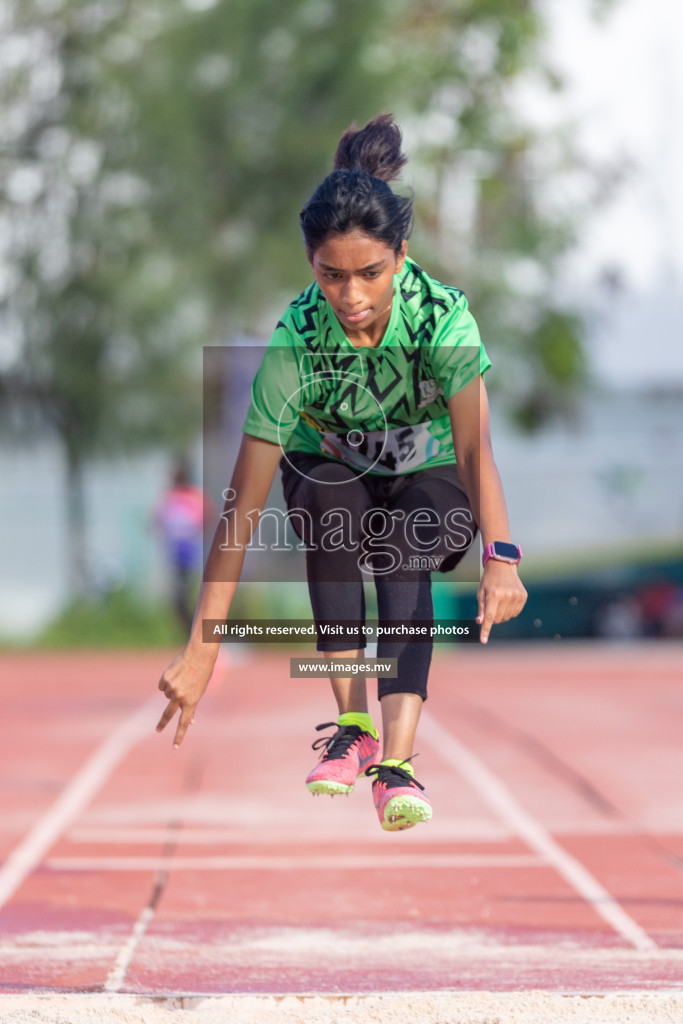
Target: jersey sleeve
point(276, 391)
point(458, 356)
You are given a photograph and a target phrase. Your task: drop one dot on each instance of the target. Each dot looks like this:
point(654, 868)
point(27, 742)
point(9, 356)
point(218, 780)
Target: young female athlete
point(371, 399)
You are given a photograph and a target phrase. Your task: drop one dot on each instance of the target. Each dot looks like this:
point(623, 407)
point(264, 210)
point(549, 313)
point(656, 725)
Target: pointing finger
point(481, 604)
point(167, 715)
point(186, 719)
point(488, 618)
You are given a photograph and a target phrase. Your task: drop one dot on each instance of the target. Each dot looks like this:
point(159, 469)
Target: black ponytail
point(356, 196)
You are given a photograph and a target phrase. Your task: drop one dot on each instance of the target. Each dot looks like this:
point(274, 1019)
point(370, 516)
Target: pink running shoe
point(398, 797)
point(348, 752)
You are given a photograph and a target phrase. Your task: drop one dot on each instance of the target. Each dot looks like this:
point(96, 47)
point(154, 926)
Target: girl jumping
point(371, 399)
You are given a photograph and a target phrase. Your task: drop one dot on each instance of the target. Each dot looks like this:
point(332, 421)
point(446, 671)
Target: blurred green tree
point(499, 202)
point(98, 331)
point(153, 158)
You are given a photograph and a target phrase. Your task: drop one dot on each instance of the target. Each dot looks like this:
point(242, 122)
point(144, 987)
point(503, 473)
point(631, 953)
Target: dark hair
point(356, 196)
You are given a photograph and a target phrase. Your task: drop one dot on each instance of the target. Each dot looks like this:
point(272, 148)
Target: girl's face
point(355, 273)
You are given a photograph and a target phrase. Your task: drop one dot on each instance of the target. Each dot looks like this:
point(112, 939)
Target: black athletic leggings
point(393, 529)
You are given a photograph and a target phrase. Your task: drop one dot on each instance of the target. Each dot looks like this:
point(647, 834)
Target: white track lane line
point(505, 805)
point(486, 831)
point(333, 862)
point(78, 793)
point(117, 975)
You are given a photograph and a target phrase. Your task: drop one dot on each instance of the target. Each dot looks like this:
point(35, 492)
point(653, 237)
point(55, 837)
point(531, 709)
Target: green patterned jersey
point(382, 410)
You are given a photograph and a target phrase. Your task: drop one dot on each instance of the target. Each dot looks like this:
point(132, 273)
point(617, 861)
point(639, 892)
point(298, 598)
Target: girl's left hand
point(500, 597)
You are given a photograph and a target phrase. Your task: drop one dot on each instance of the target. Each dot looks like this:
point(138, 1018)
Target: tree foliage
point(496, 211)
point(154, 156)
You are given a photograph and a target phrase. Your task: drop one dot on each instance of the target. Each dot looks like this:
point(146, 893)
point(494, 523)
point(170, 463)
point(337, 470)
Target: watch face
point(501, 549)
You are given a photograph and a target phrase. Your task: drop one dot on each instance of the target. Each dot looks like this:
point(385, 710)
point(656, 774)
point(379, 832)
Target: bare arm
point(501, 594)
point(188, 675)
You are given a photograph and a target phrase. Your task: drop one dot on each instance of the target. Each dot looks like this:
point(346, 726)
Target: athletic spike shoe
point(348, 752)
point(398, 798)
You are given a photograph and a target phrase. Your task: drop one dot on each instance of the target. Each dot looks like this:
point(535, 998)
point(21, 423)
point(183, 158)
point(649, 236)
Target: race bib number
point(389, 452)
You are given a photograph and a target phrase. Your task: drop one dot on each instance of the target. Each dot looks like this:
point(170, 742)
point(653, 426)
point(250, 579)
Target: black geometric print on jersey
point(408, 292)
point(405, 364)
point(323, 387)
point(396, 364)
point(384, 363)
point(307, 306)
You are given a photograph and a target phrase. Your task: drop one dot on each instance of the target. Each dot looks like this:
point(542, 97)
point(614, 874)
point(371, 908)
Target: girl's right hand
point(184, 683)
point(188, 675)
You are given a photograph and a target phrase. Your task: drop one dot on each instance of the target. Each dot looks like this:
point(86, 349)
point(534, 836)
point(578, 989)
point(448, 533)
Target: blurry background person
point(180, 517)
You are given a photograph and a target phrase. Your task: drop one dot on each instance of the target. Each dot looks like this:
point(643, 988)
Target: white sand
point(421, 1008)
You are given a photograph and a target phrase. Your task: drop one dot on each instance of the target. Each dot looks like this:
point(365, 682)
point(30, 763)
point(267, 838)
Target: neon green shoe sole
point(399, 798)
point(402, 812)
point(328, 787)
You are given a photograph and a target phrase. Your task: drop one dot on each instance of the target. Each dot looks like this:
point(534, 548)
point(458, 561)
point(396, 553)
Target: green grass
point(121, 619)
point(126, 619)
point(602, 558)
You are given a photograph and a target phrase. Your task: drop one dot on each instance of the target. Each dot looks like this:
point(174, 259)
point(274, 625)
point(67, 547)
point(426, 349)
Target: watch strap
point(492, 551)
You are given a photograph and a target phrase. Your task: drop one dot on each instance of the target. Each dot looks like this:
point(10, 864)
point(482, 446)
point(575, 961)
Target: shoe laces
point(392, 774)
point(339, 743)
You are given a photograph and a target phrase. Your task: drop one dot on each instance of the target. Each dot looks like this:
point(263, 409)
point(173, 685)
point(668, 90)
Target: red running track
point(554, 859)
